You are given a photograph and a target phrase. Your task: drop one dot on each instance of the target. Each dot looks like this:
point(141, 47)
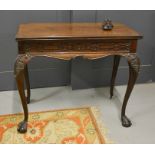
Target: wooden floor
point(141, 108)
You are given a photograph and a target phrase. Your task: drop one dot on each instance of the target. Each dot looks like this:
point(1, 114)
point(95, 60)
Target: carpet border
point(100, 133)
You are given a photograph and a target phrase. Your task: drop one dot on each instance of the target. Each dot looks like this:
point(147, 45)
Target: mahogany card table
point(69, 40)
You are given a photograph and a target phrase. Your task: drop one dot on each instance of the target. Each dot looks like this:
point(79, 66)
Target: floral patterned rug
point(77, 126)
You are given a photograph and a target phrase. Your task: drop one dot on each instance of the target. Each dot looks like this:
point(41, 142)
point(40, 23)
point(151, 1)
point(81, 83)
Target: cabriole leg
point(26, 75)
point(114, 73)
point(134, 65)
point(19, 71)
point(22, 127)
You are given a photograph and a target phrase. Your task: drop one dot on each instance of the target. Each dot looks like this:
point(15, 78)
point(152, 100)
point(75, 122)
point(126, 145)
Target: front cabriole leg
point(27, 82)
point(19, 68)
point(134, 66)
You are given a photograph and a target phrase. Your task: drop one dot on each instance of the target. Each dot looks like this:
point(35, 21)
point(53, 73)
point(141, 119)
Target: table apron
point(77, 46)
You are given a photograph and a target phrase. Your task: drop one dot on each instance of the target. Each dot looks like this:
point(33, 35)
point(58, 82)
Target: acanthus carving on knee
point(20, 63)
point(133, 62)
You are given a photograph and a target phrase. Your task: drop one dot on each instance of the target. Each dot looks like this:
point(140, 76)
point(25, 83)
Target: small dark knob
point(107, 25)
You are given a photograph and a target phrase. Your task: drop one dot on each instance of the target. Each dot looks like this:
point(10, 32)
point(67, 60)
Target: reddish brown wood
point(81, 46)
point(134, 66)
point(69, 40)
point(114, 73)
point(73, 30)
point(22, 127)
point(27, 82)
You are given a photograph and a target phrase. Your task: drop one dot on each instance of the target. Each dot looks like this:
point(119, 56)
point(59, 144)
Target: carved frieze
point(75, 46)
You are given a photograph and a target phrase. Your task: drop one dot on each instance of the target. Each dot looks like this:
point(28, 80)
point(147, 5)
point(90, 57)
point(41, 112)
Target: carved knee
point(20, 63)
point(133, 62)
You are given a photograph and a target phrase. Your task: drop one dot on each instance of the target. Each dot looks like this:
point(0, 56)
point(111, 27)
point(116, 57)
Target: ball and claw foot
point(125, 121)
point(22, 127)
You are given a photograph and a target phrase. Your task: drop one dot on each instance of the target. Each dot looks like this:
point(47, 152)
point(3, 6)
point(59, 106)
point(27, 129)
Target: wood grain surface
point(74, 30)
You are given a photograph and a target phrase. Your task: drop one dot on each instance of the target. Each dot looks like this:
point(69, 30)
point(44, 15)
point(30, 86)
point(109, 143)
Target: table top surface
point(32, 31)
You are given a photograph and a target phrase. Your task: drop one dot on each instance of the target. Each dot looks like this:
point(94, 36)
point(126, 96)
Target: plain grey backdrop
point(79, 73)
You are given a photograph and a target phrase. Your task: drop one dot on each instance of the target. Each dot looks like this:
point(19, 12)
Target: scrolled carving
point(76, 46)
point(101, 46)
point(21, 61)
point(134, 62)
